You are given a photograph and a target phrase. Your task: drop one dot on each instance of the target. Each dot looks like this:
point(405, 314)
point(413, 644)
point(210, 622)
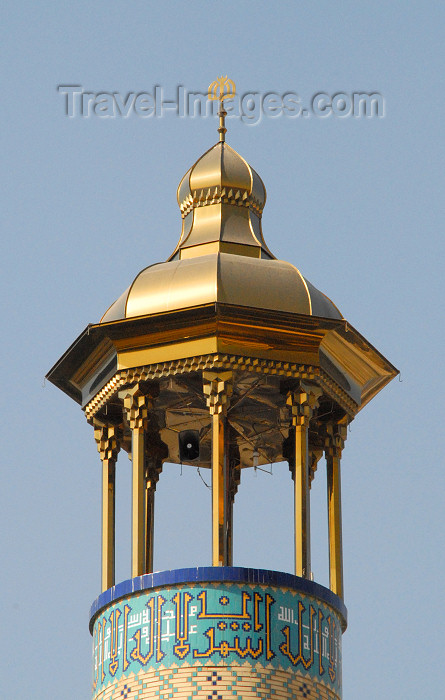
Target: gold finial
point(221, 89)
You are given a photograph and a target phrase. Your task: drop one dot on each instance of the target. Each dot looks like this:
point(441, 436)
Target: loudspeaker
point(188, 445)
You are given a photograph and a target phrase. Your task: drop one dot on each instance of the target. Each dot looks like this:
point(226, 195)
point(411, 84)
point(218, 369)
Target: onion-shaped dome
point(221, 199)
point(221, 255)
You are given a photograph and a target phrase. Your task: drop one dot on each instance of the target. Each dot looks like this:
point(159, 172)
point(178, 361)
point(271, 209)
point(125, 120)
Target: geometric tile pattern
point(217, 683)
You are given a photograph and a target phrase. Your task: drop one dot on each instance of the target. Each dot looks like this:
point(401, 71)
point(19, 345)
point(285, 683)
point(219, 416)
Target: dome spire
point(221, 89)
point(221, 197)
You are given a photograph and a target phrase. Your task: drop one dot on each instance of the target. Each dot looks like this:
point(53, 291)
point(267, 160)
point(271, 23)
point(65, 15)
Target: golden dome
point(221, 255)
point(221, 199)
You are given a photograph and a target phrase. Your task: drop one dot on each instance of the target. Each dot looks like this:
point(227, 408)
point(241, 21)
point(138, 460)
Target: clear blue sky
point(356, 204)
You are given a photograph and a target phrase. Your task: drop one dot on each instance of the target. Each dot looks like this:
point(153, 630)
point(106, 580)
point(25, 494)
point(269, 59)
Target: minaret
point(197, 353)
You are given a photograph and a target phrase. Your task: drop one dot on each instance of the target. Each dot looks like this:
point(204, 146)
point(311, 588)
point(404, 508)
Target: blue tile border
point(214, 574)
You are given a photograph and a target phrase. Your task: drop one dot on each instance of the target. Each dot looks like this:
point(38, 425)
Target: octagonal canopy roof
point(221, 277)
point(221, 255)
point(223, 290)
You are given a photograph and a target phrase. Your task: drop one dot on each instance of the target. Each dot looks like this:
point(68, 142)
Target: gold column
point(150, 488)
point(155, 452)
point(234, 478)
point(108, 447)
point(152, 472)
point(217, 389)
point(302, 403)
point(334, 443)
point(137, 406)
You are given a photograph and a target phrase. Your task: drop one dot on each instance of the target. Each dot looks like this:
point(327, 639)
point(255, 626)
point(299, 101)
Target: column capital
point(152, 474)
point(335, 438)
point(315, 454)
point(138, 401)
point(106, 436)
point(302, 401)
point(217, 388)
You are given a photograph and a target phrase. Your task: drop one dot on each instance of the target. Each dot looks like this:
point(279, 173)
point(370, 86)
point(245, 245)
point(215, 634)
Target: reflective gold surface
point(347, 366)
point(221, 255)
point(335, 525)
point(221, 177)
point(149, 525)
point(334, 443)
point(108, 523)
point(221, 166)
point(217, 387)
point(302, 503)
point(221, 277)
point(107, 441)
point(221, 89)
point(138, 503)
point(223, 335)
point(219, 491)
